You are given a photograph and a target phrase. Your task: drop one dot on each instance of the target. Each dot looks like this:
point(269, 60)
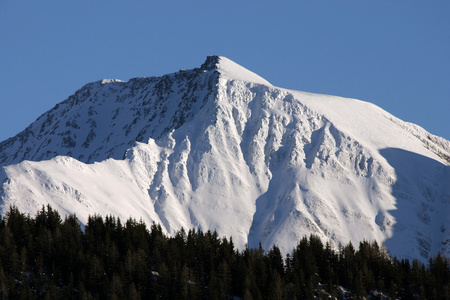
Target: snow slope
point(218, 147)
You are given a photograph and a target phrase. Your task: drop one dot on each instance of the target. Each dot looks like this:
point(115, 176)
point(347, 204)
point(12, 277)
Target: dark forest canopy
point(45, 257)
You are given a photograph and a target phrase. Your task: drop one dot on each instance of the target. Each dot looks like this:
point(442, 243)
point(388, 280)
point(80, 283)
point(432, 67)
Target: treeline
point(45, 257)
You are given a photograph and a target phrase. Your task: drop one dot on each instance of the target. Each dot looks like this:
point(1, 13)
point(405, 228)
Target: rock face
point(220, 148)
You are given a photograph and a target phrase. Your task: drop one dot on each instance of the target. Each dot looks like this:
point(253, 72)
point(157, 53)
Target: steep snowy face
point(328, 165)
point(220, 148)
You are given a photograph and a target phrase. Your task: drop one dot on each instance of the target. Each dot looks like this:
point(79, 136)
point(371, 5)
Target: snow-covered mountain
point(218, 147)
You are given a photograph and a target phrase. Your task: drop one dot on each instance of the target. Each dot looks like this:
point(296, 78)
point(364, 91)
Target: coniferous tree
point(45, 258)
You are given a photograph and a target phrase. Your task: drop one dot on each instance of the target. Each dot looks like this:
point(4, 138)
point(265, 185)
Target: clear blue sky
point(395, 54)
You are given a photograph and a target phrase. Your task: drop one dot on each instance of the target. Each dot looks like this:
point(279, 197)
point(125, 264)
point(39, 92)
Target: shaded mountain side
point(105, 118)
point(420, 205)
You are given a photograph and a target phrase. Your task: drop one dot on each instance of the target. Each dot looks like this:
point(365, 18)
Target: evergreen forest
point(47, 257)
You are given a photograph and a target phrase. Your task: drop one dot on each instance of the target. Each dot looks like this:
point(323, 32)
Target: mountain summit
point(219, 148)
point(232, 70)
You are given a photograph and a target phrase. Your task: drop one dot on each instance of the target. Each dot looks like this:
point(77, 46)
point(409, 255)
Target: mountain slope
point(105, 118)
point(218, 147)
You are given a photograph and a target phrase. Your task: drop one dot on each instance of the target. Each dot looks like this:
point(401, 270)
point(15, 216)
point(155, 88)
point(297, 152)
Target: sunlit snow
point(220, 148)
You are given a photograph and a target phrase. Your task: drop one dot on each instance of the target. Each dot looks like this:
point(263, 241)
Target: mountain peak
point(210, 63)
point(231, 70)
point(219, 148)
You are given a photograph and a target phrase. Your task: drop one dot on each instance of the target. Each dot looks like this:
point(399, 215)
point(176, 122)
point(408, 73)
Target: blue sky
point(395, 54)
